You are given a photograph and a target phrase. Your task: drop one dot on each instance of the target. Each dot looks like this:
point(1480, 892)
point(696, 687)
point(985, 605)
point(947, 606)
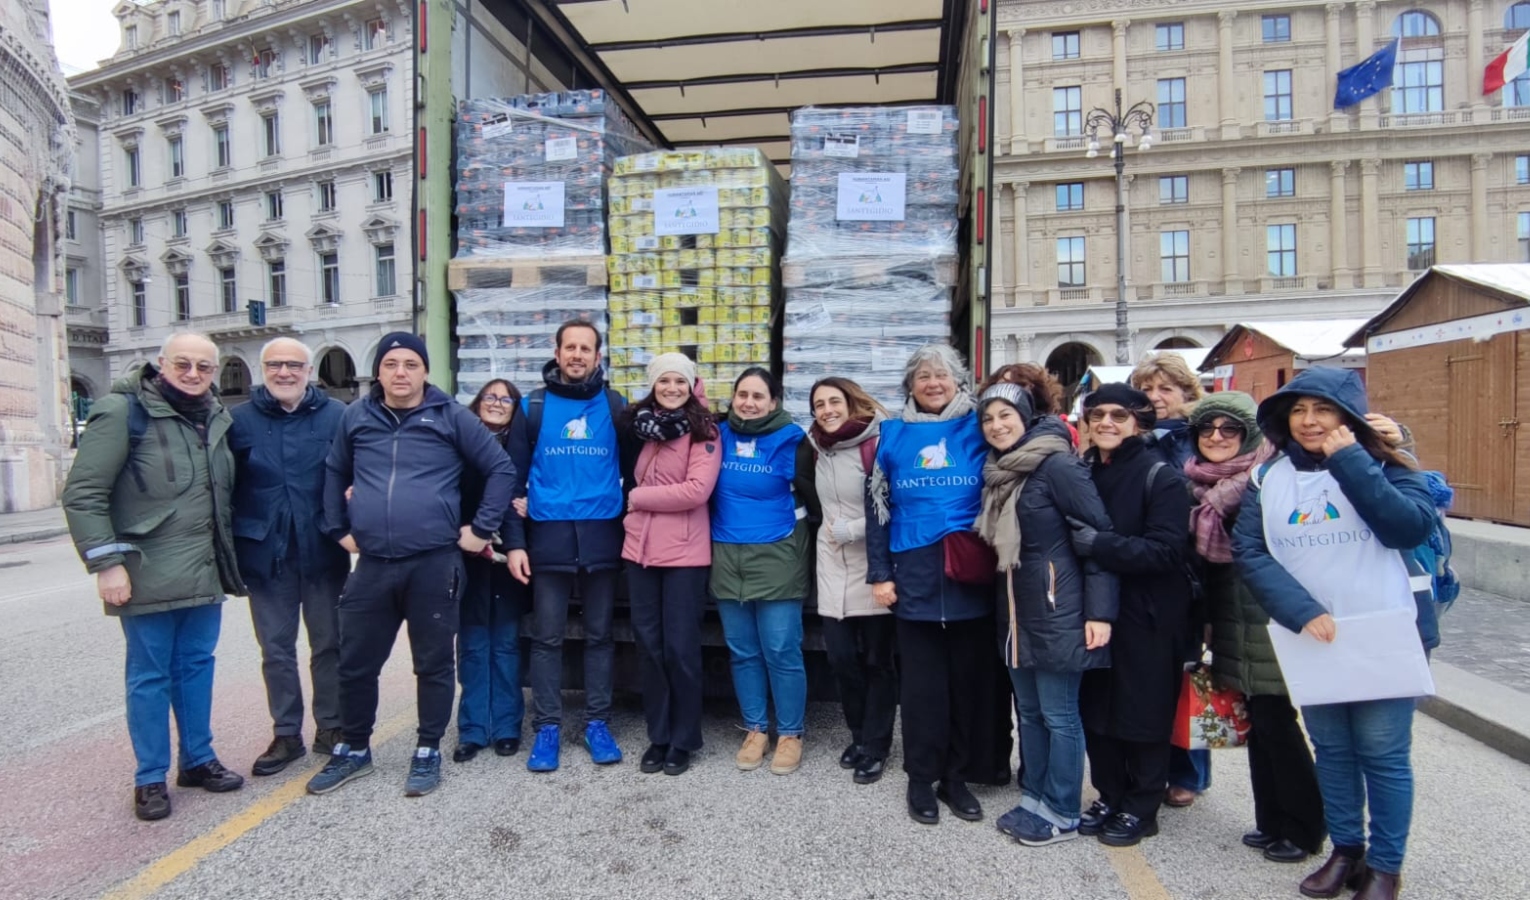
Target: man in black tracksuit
point(401, 452)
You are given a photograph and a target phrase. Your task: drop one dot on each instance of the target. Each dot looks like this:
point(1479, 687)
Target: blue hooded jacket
point(1393, 500)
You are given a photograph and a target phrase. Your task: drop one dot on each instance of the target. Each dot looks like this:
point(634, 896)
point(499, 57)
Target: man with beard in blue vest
point(569, 468)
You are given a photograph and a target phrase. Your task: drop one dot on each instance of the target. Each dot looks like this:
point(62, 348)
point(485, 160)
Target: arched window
point(1418, 84)
point(1517, 17)
point(1415, 24)
point(1517, 92)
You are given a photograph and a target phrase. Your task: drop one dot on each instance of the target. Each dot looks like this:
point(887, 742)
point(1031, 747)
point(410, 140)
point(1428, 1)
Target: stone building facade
point(1258, 200)
point(35, 145)
point(256, 150)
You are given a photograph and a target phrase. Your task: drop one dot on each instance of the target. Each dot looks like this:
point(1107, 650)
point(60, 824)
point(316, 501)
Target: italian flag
point(1509, 65)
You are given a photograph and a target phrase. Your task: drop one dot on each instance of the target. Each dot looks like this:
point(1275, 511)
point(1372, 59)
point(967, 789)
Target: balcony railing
point(1425, 119)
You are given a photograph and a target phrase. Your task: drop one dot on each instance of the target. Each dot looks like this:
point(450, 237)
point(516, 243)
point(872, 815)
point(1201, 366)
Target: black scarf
point(660, 425)
point(194, 409)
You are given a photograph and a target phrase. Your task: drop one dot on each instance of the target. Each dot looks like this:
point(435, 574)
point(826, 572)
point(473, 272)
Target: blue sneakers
point(424, 772)
point(544, 753)
point(1032, 830)
point(343, 766)
point(602, 746)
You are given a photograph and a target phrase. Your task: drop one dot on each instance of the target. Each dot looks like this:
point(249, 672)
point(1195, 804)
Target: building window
point(219, 77)
point(1277, 95)
point(173, 24)
point(1522, 170)
point(265, 63)
point(1070, 196)
point(1174, 253)
point(135, 231)
point(273, 205)
point(276, 278)
point(1422, 82)
point(1517, 17)
point(324, 123)
point(182, 298)
point(1524, 237)
point(1065, 45)
point(377, 110)
point(1280, 250)
point(329, 277)
point(1171, 103)
point(1418, 176)
point(133, 169)
point(1415, 24)
point(72, 286)
point(218, 10)
point(318, 48)
point(225, 215)
point(175, 90)
point(271, 130)
point(229, 289)
point(130, 37)
point(1280, 182)
point(178, 223)
point(1276, 29)
point(130, 102)
point(140, 304)
point(1070, 262)
point(224, 149)
point(1169, 36)
point(385, 280)
point(1420, 243)
point(71, 224)
point(382, 186)
point(177, 158)
point(1174, 189)
point(326, 196)
point(1067, 111)
point(376, 33)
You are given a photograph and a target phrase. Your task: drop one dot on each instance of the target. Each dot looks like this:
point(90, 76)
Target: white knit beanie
point(678, 363)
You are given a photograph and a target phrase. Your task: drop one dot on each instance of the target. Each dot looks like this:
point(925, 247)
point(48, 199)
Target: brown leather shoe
point(1179, 797)
point(1379, 886)
point(752, 755)
point(1338, 873)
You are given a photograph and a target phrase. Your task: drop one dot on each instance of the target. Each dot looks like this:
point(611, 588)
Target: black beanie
point(1128, 397)
point(399, 340)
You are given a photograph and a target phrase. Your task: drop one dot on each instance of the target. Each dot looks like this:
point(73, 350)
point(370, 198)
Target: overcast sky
point(84, 32)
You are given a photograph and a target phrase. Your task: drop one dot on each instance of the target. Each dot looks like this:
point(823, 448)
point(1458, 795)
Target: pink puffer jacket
point(668, 523)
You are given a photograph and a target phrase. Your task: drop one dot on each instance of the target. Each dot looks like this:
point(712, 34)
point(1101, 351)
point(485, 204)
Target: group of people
point(975, 560)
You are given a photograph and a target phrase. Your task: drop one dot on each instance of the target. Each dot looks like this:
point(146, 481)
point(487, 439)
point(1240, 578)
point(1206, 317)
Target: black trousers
point(421, 591)
point(667, 603)
point(1287, 802)
point(944, 683)
point(551, 593)
point(861, 656)
point(1131, 776)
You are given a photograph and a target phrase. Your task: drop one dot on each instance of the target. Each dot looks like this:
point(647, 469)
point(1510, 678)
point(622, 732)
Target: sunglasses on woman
point(1226, 431)
point(1118, 416)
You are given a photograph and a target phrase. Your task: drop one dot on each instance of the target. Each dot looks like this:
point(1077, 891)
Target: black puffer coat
point(1055, 592)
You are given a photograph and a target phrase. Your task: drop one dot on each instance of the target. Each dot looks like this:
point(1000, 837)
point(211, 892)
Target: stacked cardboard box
point(532, 179)
point(695, 263)
point(870, 261)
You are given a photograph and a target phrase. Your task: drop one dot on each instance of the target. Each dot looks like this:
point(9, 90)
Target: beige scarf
point(1003, 478)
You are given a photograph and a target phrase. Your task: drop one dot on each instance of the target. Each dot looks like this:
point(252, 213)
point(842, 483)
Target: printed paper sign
point(847, 146)
point(559, 149)
point(641, 204)
point(497, 129)
point(871, 196)
point(534, 204)
point(890, 359)
point(645, 282)
point(647, 241)
point(814, 318)
point(691, 210)
point(925, 121)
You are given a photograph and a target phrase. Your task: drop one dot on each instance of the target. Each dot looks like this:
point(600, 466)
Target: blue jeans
point(765, 643)
point(1190, 769)
point(1051, 744)
point(1363, 759)
point(170, 667)
point(489, 660)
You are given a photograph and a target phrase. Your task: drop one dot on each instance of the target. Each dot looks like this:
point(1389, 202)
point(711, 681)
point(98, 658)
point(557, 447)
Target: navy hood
point(1341, 387)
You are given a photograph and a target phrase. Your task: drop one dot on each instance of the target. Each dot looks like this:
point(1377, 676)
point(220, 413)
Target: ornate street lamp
point(1119, 126)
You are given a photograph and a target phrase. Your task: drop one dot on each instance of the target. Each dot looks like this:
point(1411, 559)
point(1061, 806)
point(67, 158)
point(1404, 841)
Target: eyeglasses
point(276, 365)
point(497, 400)
point(1118, 416)
point(184, 366)
point(1226, 431)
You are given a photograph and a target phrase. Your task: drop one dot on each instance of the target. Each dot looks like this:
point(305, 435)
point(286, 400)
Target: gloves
point(1082, 536)
point(841, 533)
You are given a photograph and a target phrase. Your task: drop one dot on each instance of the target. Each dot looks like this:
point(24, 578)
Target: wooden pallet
point(848, 271)
point(473, 272)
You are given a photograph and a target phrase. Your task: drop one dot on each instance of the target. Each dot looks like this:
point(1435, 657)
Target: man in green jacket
point(147, 502)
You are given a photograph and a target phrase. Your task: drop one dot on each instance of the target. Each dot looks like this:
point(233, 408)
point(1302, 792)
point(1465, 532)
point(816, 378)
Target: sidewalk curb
point(36, 534)
point(1481, 709)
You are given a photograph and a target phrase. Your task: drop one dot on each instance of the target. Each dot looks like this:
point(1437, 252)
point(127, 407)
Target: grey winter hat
point(1014, 395)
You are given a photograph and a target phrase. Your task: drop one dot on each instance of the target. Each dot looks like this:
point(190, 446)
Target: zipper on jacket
point(392, 476)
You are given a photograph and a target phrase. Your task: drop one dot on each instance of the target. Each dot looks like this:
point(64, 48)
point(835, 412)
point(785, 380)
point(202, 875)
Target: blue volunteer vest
point(753, 501)
point(935, 478)
point(575, 471)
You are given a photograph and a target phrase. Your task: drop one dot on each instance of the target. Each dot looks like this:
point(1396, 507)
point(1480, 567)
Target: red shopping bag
point(1209, 717)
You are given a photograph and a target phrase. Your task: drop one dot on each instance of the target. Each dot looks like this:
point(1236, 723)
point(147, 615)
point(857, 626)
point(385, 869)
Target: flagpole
point(1119, 125)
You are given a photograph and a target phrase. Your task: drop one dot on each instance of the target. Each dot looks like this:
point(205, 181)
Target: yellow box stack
point(695, 263)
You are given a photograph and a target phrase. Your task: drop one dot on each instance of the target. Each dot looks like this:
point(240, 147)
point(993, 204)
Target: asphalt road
point(494, 830)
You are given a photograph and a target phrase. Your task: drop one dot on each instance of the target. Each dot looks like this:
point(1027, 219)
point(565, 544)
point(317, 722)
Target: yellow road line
point(1136, 875)
point(188, 856)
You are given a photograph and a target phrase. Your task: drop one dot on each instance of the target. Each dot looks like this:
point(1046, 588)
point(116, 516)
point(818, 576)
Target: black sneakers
point(284, 749)
point(151, 801)
point(210, 776)
point(324, 741)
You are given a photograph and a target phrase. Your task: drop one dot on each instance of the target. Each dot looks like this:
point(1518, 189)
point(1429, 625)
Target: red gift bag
point(1209, 717)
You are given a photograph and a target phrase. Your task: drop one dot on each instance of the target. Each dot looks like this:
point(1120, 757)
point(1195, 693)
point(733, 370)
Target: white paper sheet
point(1376, 656)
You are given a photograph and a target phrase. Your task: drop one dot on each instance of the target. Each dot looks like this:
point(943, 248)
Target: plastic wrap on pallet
point(509, 332)
point(532, 173)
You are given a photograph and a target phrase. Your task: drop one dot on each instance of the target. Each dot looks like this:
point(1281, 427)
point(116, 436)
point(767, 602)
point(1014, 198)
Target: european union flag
point(1366, 77)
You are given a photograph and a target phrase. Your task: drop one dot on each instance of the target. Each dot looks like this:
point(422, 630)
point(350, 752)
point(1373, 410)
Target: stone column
point(1480, 251)
point(1474, 63)
point(1231, 276)
point(1227, 82)
point(1021, 248)
point(1017, 140)
point(1025, 346)
point(1365, 40)
point(1338, 235)
point(1338, 119)
point(1370, 225)
point(1118, 65)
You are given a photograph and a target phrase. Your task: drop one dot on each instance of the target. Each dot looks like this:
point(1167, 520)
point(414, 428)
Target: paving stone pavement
point(1488, 635)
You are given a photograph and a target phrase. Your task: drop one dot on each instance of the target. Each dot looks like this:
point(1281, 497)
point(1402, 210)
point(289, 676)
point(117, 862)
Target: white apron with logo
point(1316, 535)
